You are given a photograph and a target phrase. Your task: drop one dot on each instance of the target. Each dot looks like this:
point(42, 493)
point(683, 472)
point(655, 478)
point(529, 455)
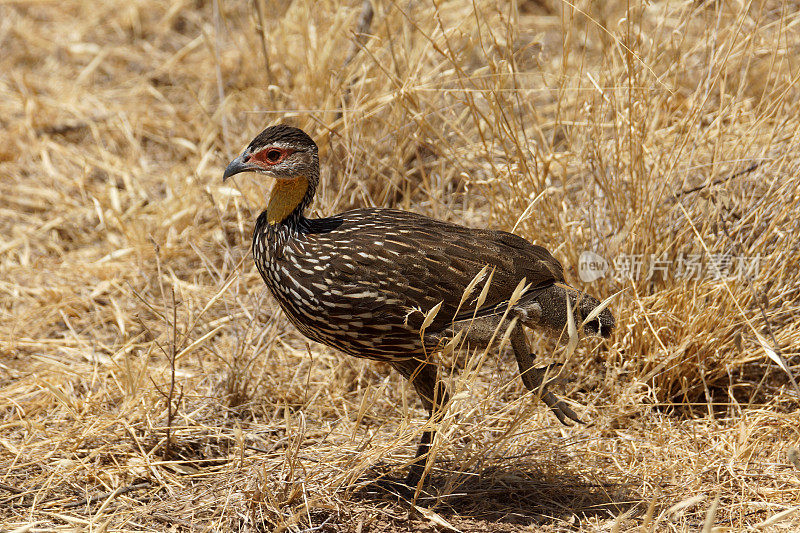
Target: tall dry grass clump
point(148, 380)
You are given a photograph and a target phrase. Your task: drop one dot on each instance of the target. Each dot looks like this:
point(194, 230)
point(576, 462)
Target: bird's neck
point(289, 199)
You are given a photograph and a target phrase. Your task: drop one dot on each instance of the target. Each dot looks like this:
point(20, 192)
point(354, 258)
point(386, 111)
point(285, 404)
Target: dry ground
point(625, 128)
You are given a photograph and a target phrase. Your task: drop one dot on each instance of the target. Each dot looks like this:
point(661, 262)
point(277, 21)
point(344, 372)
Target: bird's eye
point(270, 156)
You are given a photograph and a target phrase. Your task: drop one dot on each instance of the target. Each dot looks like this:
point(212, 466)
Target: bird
point(396, 286)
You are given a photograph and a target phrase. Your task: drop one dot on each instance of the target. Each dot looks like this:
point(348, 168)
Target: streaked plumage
point(362, 281)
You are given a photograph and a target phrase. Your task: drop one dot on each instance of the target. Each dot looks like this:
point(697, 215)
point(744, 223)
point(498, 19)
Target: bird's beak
point(236, 166)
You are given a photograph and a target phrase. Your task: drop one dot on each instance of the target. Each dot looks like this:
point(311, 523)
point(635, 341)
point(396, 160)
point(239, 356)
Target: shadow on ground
point(505, 499)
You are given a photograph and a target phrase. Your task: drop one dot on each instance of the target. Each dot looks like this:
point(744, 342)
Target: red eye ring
point(271, 156)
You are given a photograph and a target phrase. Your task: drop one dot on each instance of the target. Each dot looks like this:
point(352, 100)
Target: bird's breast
point(333, 305)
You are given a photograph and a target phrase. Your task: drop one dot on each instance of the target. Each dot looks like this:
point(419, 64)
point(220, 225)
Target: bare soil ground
point(148, 381)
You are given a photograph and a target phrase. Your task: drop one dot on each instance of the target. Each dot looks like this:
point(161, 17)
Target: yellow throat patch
point(284, 197)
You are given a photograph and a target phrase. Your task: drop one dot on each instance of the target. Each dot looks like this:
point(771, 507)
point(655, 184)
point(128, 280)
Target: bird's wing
point(401, 263)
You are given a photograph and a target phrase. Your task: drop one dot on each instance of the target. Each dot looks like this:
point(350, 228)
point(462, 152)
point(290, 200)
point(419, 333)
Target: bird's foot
point(563, 412)
point(407, 488)
point(396, 487)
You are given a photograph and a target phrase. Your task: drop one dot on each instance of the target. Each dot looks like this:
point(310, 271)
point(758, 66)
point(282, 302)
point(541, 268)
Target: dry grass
point(668, 128)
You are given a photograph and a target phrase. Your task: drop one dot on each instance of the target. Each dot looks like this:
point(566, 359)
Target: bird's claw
point(563, 412)
point(407, 488)
point(400, 489)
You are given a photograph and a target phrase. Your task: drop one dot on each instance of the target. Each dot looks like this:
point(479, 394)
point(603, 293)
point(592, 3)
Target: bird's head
point(281, 152)
point(288, 155)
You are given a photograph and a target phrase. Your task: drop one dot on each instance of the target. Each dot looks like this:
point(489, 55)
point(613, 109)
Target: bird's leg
point(534, 378)
point(433, 393)
point(417, 468)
